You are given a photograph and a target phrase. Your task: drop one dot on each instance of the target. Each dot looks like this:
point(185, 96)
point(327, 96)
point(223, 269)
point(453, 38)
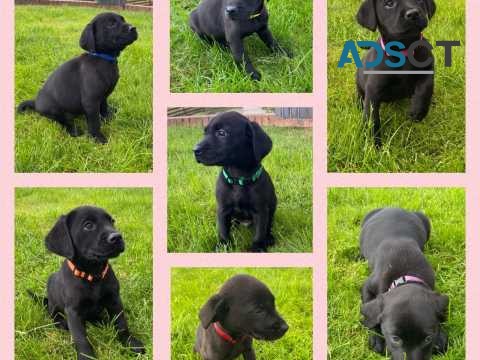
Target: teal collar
point(242, 180)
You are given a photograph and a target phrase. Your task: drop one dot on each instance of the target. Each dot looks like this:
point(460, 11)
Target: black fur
point(409, 316)
point(228, 21)
point(239, 145)
point(245, 308)
point(403, 22)
point(86, 236)
point(82, 85)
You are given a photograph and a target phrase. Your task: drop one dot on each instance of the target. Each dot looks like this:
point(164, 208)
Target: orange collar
point(84, 275)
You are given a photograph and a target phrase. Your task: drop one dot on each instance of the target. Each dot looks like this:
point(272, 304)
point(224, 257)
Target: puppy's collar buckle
point(242, 180)
point(226, 336)
point(83, 275)
point(407, 279)
point(106, 57)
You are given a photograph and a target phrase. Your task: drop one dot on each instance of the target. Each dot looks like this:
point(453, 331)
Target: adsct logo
point(394, 50)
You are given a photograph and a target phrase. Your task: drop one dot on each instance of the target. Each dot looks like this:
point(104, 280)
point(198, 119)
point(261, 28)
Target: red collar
point(86, 276)
point(404, 51)
point(407, 279)
point(226, 336)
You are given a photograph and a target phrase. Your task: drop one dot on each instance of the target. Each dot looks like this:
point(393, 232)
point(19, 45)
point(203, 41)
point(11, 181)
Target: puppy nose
point(284, 327)
point(412, 14)
point(114, 237)
point(132, 28)
point(197, 150)
point(231, 9)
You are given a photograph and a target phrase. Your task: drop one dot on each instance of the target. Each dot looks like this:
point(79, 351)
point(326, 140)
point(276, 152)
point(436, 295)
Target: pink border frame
point(322, 180)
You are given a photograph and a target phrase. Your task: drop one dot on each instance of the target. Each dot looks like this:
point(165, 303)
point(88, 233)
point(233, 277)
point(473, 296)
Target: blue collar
point(242, 180)
point(106, 57)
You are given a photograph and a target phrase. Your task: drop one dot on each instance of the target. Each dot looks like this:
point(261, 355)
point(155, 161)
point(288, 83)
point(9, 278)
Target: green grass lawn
point(36, 212)
point(191, 193)
point(437, 144)
point(347, 338)
point(198, 67)
point(292, 288)
point(47, 36)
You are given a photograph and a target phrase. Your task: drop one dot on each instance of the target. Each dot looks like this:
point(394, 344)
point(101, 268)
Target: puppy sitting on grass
point(402, 21)
point(82, 85)
point(244, 189)
point(243, 310)
point(229, 21)
point(85, 285)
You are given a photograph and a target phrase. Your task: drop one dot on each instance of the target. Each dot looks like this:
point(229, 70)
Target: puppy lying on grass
point(399, 303)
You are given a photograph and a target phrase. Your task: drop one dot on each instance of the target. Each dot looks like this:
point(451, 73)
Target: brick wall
point(263, 120)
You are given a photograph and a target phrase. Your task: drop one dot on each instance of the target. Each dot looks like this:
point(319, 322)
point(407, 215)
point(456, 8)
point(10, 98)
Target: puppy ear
point(372, 312)
point(441, 306)
point(367, 15)
point(431, 7)
point(59, 241)
point(87, 40)
point(214, 309)
point(261, 142)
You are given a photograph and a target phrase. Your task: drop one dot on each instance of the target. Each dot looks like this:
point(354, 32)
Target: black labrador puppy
point(229, 21)
point(243, 310)
point(86, 286)
point(244, 192)
point(83, 84)
point(398, 299)
point(403, 21)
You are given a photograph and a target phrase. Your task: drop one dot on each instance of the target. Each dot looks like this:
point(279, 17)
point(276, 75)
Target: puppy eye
point(89, 226)
point(389, 4)
point(111, 23)
point(221, 132)
point(396, 340)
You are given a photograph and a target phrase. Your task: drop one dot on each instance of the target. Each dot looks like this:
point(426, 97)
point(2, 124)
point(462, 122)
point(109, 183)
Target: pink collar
point(407, 279)
point(404, 51)
point(226, 336)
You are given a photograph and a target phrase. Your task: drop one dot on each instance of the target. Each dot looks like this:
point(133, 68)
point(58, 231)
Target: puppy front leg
point(266, 35)
point(79, 334)
point(260, 239)
point(116, 313)
point(106, 112)
point(241, 58)
point(421, 99)
point(372, 110)
point(224, 221)
point(249, 354)
point(92, 112)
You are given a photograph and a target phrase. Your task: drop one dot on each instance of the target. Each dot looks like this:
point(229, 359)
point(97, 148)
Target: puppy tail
point(38, 299)
point(26, 105)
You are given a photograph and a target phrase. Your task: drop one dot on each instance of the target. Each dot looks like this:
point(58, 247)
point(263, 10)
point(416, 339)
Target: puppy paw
point(135, 345)
point(270, 240)
point(74, 132)
point(417, 115)
point(377, 344)
point(255, 75)
point(258, 248)
point(440, 346)
point(108, 114)
point(100, 138)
